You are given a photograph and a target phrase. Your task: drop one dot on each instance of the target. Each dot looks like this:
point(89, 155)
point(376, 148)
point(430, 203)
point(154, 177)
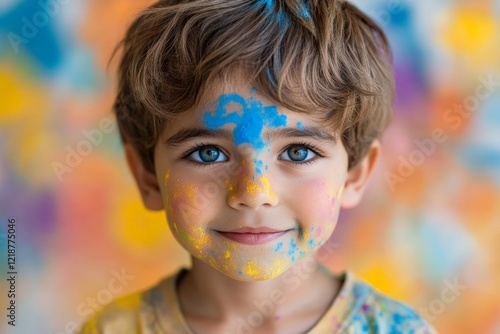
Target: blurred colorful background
point(427, 232)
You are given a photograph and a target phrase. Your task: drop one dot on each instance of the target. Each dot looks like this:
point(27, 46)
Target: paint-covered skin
point(248, 116)
point(237, 171)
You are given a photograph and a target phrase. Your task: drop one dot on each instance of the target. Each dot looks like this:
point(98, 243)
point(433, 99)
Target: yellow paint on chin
point(262, 271)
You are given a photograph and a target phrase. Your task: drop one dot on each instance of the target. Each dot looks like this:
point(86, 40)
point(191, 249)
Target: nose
point(250, 189)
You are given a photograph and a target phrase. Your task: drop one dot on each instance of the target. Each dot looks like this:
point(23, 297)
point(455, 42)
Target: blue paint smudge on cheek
point(278, 246)
point(300, 125)
point(293, 248)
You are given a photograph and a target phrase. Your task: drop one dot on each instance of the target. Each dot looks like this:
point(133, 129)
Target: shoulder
point(123, 314)
point(376, 312)
point(134, 313)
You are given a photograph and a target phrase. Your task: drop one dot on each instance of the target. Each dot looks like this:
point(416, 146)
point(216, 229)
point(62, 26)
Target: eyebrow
point(193, 133)
point(304, 132)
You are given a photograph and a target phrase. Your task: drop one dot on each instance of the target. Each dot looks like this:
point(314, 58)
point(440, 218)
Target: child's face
point(250, 188)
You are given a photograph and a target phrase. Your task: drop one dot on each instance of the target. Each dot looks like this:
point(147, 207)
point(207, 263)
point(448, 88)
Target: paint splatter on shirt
point(357, 309)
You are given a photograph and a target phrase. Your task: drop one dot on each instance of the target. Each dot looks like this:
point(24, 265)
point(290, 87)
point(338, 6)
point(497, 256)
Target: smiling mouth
point(253, 236)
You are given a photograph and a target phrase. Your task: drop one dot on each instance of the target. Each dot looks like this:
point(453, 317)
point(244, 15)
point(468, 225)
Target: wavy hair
point(322, 57)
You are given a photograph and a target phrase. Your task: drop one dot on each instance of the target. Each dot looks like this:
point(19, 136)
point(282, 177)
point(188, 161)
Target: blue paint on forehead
point(249, 121)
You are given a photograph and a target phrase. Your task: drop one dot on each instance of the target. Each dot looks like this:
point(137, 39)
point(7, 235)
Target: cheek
point(317, 202)
point(185, 216)
point(183, 205)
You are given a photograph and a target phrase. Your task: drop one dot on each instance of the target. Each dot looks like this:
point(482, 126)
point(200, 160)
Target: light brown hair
point(322, 57)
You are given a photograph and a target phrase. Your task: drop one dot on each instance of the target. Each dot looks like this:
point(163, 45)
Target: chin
point(253, 271)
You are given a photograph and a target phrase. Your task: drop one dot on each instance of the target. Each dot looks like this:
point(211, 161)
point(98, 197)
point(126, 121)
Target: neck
point(206, 293)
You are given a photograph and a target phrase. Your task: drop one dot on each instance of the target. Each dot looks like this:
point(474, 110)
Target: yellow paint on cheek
point(167, 177)
point(230, 190)
point(341, 190)
point(305, 235)
point(199, 238)
point(331, 194)
point(188, 191)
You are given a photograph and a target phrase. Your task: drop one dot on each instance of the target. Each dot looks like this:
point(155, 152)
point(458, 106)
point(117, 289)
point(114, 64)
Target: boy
point(251, 123)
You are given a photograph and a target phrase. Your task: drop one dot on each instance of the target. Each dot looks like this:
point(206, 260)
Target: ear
point(146, 181)
point(357, 177)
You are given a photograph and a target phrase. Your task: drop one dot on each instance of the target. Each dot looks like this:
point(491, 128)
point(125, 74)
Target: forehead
point(231, 103)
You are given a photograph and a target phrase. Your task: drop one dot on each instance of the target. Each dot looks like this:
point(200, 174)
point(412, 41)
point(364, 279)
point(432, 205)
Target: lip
point(253, 236)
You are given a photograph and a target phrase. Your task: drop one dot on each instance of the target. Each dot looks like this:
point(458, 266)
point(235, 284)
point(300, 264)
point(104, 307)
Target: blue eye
point(208, 154)
point(298, 153)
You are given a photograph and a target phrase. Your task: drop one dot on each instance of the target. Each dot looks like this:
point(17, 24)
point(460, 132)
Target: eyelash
point(311, 147)
point(197, 147)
